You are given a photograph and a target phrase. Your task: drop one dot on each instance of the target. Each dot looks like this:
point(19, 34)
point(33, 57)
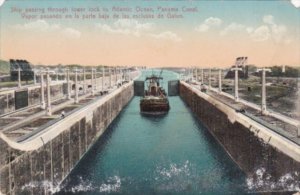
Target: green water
point(173, 154)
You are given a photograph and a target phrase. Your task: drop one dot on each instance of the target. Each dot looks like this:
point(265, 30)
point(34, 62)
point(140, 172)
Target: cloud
point(268, 19)
point(278, 32)
point(71, 33)
point(44, 26)
point(234, 27)
point(262, 33)
point(167, 35)
point(208, 24)
point(269, 30)
point(126, 26)
point(135, 28)
point(1, 2)
point(38, 25)
point(296, 3)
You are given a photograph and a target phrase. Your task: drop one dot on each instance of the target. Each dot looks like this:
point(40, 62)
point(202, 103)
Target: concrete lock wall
point(270, 162)
point(42, 162)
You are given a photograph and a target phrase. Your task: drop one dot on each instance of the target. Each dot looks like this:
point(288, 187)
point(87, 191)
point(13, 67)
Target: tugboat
point(155, 100)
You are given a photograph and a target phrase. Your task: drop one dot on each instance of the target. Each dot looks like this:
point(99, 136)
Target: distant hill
point(4, 67)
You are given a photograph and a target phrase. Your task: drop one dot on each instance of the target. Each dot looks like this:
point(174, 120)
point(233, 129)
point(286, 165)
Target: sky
point(204, 33)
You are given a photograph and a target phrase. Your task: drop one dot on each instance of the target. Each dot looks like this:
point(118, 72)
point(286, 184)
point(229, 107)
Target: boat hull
point(150, 106)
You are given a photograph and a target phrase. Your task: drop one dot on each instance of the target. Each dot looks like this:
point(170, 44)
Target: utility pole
point(236, 82)
point(263, 89)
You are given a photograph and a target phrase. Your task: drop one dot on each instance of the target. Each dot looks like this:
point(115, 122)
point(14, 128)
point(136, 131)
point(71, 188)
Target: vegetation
point(289, 72)
point(4, 67)
point(276, 71)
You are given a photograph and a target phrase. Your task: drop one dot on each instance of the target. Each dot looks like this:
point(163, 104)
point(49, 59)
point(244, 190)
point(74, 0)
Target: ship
point(155, 100)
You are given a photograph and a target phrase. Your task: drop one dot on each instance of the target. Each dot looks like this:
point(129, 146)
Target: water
point(173, 154)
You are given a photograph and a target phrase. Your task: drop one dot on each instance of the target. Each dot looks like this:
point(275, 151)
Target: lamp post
point(103, 75)
point(48, 108)
point(116, 75)
point(236, 83)
point(202, 76)
point(220, 80)
point(43, 104)
point(110, 77)
point(95, 76)
point(92, 81)
point(263, 89)
point(84, 82)
point(76, 86)
point(120, 74)
point(34, 76)
point(209, 78)
point(56, 74)
point(68, 84)
point(19, 78)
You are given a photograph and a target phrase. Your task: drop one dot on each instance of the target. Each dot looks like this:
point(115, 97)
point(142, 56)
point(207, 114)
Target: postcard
point(149, 97)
